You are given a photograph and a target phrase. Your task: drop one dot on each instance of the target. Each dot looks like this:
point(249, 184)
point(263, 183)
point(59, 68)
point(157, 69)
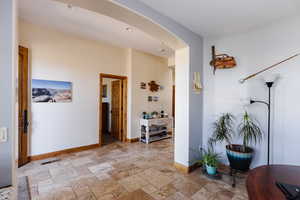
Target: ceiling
point(215, 18)
point(89, 25)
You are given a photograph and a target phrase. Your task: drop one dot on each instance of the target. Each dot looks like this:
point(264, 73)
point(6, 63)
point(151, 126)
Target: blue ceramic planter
point(211, 170)
point(239, 160)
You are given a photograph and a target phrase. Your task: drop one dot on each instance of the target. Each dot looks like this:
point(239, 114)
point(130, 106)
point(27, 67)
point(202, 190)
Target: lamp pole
point(268, 104)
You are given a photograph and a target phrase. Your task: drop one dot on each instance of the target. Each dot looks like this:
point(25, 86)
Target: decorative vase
point(211, 170)
point(239, 160)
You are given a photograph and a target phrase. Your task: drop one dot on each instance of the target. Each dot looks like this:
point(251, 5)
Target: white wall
point(128, 62)
point(182, 144)
point(8, 74)
point(171, 61)
point(254, 51)
point(57, 56)
point(145, 68)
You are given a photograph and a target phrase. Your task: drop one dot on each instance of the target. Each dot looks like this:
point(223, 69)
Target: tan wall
point(146, 68)
point(58, 56)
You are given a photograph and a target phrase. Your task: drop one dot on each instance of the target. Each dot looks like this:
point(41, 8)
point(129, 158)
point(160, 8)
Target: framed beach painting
point(51, 91)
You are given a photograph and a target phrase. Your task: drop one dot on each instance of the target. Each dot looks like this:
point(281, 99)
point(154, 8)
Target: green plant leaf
point(249, 130)
point(223, 128)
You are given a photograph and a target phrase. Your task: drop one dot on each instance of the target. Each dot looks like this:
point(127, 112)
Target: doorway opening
point(23, 106)
point(113, 109)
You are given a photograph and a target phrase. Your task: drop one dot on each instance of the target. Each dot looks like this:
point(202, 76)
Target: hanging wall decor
point(153, 86)
point(197, 83)
point(143, 85)
point(221, 61)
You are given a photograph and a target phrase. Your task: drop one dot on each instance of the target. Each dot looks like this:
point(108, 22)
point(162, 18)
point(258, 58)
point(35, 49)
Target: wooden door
point(105, 118)
point(23, 106)
point(116, 109)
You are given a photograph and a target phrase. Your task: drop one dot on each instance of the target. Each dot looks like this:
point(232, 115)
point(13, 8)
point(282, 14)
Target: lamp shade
point(270, 78)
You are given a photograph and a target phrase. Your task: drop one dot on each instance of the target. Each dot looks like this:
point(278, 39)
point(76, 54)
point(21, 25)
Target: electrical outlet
point(3, 134)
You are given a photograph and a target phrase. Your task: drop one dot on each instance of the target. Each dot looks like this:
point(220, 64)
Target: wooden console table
point(261, 181)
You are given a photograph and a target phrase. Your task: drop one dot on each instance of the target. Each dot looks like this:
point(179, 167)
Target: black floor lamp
point(269, 82)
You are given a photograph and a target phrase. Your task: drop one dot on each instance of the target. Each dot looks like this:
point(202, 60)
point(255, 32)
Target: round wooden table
point(261, 181)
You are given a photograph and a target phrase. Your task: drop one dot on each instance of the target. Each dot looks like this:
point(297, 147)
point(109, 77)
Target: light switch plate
point(3, 134)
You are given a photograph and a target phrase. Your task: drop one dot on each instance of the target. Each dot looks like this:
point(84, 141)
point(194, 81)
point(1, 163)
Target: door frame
point(124, 105)
point(173, 100)
point(23, 107)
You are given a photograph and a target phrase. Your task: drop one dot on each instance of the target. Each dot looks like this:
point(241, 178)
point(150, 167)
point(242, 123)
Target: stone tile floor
point(7, 193)
point(123, 171)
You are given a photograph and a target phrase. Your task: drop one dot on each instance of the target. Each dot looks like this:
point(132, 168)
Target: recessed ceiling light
point(129, 29)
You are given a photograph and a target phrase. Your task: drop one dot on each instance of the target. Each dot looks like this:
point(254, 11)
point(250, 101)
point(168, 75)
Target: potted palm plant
point(239, 156)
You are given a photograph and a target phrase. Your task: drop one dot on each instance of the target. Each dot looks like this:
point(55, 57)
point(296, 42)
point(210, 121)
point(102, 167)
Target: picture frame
point(48, 91)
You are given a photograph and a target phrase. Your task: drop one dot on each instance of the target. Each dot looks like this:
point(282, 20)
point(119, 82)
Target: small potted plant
point(239, 156)
point(210, 159)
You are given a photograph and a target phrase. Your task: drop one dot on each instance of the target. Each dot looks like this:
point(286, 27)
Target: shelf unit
point(152, 130)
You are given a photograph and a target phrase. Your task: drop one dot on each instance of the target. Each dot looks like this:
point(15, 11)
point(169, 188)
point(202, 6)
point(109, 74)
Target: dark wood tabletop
point(261, 181)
